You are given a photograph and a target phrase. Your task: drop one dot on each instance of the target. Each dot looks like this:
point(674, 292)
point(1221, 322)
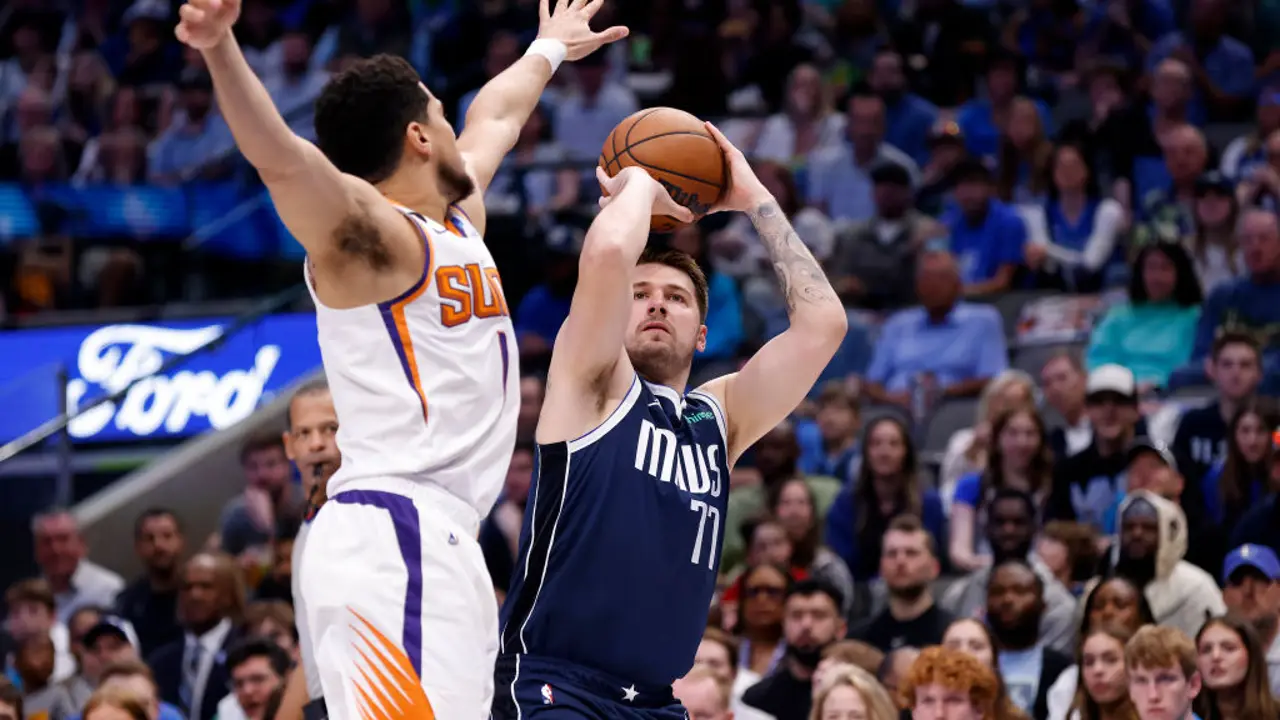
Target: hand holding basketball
point(745, 191)
point(570, 23)
point(203, 24)
point(663, 204)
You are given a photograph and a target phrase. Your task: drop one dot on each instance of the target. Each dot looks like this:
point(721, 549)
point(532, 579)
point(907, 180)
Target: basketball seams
point(631, 146)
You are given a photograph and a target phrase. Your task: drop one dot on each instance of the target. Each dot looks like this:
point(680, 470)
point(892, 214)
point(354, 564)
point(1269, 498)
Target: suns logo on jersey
point(469, 291)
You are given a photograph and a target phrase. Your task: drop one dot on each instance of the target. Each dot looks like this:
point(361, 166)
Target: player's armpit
point(361, 248)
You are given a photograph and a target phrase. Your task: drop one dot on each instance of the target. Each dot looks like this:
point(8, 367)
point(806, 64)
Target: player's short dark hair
point(362, 112)
point(253, 647)
point(685, 263)
point(1235, 337)
point(151, 514)
point(817, 586)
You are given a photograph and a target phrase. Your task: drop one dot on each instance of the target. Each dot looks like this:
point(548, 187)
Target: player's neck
point(676, 384)
point(415, 192)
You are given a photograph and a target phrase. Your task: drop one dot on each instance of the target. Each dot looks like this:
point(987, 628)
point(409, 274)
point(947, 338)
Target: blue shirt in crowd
point(967, 344)
point(982, 249)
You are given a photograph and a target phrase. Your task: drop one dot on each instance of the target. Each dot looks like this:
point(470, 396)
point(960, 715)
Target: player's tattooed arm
point(799, 275)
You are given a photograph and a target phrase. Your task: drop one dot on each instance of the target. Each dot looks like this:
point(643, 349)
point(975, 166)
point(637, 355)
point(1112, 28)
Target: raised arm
point(503, 105)
point(589, 365)
point(774, 381)
point(317, 203)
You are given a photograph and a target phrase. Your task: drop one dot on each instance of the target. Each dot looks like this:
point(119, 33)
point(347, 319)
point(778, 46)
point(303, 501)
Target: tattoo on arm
point(799, 274)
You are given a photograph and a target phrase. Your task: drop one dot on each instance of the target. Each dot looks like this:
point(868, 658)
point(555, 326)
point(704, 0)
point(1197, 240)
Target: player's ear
point(702, 338)
point(416, 137)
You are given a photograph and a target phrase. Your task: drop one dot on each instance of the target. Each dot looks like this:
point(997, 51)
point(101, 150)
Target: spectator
point(591, 107)
point(838, 454)
point(112, 641)
point(1251, 590)
point(806, 124)
point(273, 620)
point(950, 684)
point(874, 264)
point(840, 182)
point(1234, 366)
point(792, 504)
point(500, 531)
point(762, 590)
point(1231, 659)
point(724, 303)
point(1233, 485)
point(1153, 333)
point(852, 692)
point(248, 521)
point(258, 668)
point(1217, 255)
point(1072, 232)
point(1087, 485)
point(1152, 467)
point(198, 143)
point(1024, 155)
point(192, 673)
point(115, 704)
point(938, 178)
point(88, 671)
point(1063, 380)
point(812, 622)
point(908, 565)
point(1016, 609)
point(42, 696)
point(532, 182)
point(1011, 530)
point(909, 118)
point(1160, 662)
point(1102, 685)
point(1247, 152)
point(718, 654)
point(849, 652)
point(968, 448)
point(1222, 65)
point(1153, 540)
point(150, 604)
point(1019, 461)
point(1167, 210)
point(134, 678)
point(973, 638)
point(893, 673)
point(532, 391)
point(60, 552)
point(30, 616)
point(987, 236)
point(888, 485)
point(10, 700)
point(1069, 551)
point(1261, 188)
point(1112, 603)
point(948, 347)
point(703, 695)
point(1247, 304)
point(1261, 524)
point(982, 119)
point(295, 86)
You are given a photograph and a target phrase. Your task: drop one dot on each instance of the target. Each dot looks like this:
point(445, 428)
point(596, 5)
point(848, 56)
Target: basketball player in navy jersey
point(622, 533)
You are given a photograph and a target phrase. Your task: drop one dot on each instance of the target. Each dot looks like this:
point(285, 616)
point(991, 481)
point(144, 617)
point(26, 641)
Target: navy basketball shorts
point(527, 686)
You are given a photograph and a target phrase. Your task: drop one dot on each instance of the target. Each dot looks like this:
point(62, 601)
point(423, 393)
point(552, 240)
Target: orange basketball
point(676, 149)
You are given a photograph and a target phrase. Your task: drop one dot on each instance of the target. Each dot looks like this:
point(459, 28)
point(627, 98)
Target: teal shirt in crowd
point(1152, 339)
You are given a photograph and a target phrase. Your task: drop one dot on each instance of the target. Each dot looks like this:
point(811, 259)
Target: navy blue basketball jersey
point(621, 540)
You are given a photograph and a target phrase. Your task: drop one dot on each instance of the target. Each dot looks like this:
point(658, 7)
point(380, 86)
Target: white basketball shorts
point(400, 607)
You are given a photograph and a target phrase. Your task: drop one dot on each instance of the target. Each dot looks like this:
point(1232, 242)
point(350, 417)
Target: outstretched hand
point(631, 177)
point(205, 23)
point(745, 191)
point(570, 23)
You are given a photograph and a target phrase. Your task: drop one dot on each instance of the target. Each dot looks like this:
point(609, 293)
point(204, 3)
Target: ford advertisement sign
point(210, 391)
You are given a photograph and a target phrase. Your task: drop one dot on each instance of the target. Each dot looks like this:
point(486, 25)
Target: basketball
point(676, 149)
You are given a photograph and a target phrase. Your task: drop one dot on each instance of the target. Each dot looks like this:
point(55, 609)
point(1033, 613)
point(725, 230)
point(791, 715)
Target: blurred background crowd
point(1053, 223)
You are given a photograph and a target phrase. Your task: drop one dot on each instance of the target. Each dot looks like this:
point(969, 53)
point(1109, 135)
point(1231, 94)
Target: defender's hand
point(203, 24)
point(637, 178)
point(745, 190)
point(570, 23)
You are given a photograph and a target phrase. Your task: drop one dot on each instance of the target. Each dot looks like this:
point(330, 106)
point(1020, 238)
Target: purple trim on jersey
point(462, 212)
point(506, 362)
point(404, 517)
point(388, 309)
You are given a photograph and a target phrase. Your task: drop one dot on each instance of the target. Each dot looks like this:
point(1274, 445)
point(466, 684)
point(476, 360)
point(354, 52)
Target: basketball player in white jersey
point(418, 349)
point(310, 441)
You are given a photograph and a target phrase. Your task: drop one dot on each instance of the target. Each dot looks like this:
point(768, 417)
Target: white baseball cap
point(1114, 379)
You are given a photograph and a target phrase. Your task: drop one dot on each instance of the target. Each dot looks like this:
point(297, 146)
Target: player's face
point(1222, 657)
point(665, 327)
point(1162, 693)
point(454, 181)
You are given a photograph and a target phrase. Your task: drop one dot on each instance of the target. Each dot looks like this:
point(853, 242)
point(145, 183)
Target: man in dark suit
point(192, 672)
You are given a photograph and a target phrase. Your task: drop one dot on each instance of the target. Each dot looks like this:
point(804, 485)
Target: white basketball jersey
point(309, 668)
point(426, 386)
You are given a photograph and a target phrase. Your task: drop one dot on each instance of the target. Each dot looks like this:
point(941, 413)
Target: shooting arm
point(313, 198)
point(791, 362)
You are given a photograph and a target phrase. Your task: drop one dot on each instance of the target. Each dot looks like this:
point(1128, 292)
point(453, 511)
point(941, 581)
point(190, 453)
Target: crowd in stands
point(1085, 529)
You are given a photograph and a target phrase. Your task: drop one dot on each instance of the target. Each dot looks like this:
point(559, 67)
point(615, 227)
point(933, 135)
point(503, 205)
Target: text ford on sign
point(213, 390)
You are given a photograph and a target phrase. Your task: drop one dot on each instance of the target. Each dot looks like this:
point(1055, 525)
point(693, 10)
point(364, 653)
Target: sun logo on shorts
point(390, 689)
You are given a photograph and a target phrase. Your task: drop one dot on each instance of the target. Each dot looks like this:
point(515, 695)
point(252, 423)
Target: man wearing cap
point(1251, 589)
point(874, 263)
point(937, 179)
point(1153, 540)
point(112, 640)
point(1087, 485)
point(1152, 466)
